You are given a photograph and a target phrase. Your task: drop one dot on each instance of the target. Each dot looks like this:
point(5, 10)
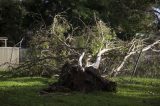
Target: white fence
point(11, 56)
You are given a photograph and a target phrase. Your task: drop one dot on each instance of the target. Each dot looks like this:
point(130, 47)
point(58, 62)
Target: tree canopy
point(125, 17)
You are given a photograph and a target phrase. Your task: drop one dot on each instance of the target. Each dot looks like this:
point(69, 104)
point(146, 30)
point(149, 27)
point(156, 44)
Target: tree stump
point(74, 78)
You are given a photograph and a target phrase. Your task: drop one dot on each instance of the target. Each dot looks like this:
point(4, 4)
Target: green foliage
point(101, 35)
point(60, 26)
point(11, 19)
point(65, 28)
point(130, 16)
point(97, 37)
point(50, 48)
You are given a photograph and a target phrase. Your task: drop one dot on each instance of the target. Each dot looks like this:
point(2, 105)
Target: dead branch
point(133, 51)
point(99, 56)
point(80, 59)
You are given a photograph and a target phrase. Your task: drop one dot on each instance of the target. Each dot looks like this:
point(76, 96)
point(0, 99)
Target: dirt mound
point(74, 78)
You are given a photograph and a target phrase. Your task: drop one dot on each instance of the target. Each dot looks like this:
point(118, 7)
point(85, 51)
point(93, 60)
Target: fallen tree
point(50, 48)
point(75, 77)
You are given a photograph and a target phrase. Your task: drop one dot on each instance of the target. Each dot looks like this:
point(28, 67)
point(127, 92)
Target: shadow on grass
point(28, 95)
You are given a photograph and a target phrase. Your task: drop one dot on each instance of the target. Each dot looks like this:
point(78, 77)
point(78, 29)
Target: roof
point(3, 38)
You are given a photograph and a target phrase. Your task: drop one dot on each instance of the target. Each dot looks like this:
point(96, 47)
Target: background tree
point(124, 17)
point(11, 20)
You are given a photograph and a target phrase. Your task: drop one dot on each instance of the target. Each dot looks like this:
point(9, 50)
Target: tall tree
point(11, 19)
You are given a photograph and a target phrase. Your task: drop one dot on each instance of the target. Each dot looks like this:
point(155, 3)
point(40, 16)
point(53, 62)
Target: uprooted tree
point(79, 77)
point(71, 52)
point(75, 77)
point(82, 77)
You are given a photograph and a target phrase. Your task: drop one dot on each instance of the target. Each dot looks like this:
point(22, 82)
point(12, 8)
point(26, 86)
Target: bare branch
point(118, 69)
point(99, 56)
point(154, 50)
point(80, 59)
point(150, 46)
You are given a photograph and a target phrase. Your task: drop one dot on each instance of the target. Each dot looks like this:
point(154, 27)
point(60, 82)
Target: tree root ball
point(74, 78)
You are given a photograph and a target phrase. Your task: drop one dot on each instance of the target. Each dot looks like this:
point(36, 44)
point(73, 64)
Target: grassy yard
point(24, 92)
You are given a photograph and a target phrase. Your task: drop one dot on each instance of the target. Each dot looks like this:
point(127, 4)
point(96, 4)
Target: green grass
point(24, 92)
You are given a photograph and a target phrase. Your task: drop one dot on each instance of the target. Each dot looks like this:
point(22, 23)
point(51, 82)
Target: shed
point(4, 39)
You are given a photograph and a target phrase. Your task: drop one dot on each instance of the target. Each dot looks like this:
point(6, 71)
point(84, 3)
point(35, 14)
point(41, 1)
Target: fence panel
point(11, 56)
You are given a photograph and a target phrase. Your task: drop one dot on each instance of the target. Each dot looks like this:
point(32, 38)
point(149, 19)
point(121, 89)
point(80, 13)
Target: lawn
point(24, 92)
